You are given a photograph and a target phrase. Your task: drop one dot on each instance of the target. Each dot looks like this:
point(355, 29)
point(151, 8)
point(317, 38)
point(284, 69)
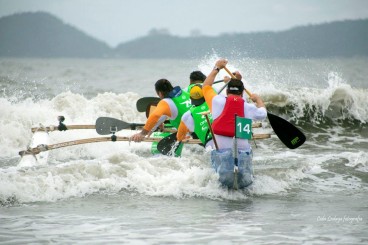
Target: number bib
point(243, 128)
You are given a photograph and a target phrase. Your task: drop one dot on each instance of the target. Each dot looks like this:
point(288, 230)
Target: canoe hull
point(223, 163)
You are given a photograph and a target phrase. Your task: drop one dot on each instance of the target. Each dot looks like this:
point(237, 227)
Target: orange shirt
point(209, 93)
point(182, 131)
point(162, 109)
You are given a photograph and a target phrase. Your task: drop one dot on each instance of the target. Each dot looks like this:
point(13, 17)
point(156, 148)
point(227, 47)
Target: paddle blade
point(108, 125)
point(166, 145)
point(144, 102)
point(290, 135)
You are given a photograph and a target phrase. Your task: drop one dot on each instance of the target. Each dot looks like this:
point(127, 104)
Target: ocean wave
point(338, 104)
point(17, 117)
point(190, 176)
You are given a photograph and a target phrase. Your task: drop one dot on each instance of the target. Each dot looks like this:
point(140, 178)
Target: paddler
point(173, 104)
point(195, 120)
point(196, 77)
point(223, 108)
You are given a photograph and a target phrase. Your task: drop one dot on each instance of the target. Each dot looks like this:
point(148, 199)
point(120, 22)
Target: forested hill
point(336, 39)
point(43, 35)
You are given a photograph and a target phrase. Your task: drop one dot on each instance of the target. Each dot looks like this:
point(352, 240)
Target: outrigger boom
point(103, 126)
point(42, 147)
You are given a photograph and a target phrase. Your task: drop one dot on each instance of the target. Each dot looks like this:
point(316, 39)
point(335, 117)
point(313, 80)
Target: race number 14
point(243, 128)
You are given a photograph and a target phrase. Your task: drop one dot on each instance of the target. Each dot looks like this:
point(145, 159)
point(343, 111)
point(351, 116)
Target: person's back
point(194, 120)
point(174, 103)
point(224, 109)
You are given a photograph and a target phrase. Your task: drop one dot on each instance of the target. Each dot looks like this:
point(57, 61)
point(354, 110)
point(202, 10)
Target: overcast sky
point(116, 21)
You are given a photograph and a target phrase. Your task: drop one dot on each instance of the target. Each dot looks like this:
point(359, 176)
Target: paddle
point(142, 103)
point(290, 135)
point(210, 127)
point(166, 145)
point(219, 81)
point(63, 127)
point(108, 125)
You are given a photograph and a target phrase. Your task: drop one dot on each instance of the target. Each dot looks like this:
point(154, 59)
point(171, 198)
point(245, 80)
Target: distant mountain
point(337, 39)
point(43, 35)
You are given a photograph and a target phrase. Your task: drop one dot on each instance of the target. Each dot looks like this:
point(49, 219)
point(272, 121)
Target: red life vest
point(225, 123)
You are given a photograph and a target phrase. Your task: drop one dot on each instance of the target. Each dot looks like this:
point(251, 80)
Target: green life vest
point(182, 103)
point(201, 127)
point(181, 100)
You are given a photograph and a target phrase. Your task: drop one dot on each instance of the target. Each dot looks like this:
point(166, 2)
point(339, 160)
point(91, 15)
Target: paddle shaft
point(210, 127)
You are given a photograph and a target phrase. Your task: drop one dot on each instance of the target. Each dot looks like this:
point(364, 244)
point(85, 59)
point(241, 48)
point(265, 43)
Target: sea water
point(118, 193)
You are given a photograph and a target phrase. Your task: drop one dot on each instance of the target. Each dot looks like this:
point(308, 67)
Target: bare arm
point(211, 77)
point(182, 131)
point(257, 100)
point(161, 109)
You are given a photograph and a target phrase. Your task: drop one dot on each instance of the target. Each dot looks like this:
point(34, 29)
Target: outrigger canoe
point(222, 161)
